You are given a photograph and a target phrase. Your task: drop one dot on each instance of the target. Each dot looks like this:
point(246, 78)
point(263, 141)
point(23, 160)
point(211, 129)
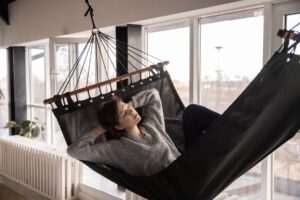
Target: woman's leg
point(196, 119)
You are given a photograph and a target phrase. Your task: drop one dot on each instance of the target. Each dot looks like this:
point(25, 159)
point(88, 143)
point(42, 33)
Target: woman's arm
point(98, 131)
point(85, 148)
point(151, 103)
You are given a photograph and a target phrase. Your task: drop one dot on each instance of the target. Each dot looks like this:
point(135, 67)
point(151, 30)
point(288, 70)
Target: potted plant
point(27, 128)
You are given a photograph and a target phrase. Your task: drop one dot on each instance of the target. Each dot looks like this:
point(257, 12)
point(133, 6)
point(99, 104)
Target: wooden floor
point(8, 194)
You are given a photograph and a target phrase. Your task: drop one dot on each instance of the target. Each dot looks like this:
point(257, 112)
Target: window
point(65, 56)
point(37, 89)
point(287, 157)
point(173, 44)
point(226, 44)
point(59, 75)
point(4, 93)
point(100, 69)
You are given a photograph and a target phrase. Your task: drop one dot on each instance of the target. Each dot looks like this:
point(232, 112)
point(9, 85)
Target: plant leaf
point(11, 124)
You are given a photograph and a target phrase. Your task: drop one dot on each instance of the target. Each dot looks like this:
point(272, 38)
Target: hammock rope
point(104, 46)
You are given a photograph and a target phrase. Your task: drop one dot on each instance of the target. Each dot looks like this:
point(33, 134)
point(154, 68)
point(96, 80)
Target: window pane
point(173, 45)
point(38, 88)
point(97, 181)
point(87, 66)
point(62, 65)
point(291, 21)
point(4, 97)
point(97, 69)
point(231, 56)
point(58, 137)
point(108, 69)
point(38, 115)
point(287, 157)
point(104, 69)
point(287, 171)
point(229, 61)
point(61, 72)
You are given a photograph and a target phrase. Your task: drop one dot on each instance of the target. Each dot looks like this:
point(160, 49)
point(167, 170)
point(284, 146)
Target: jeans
point(196, 119)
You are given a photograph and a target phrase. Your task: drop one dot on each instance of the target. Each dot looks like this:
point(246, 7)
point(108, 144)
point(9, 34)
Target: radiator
point(40, 167)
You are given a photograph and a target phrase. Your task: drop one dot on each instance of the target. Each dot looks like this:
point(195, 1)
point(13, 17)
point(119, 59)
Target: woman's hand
point(98, 131)
point(130, 103)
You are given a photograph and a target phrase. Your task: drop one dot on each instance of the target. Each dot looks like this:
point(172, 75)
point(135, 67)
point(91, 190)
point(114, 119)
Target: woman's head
point(117, 116)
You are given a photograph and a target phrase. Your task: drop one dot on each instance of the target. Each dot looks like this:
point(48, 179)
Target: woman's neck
point(135, 131)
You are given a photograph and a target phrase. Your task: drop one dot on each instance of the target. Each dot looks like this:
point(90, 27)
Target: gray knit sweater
point(134, 155)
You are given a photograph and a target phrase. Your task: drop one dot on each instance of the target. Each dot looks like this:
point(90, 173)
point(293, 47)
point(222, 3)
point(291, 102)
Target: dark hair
point(109, 118)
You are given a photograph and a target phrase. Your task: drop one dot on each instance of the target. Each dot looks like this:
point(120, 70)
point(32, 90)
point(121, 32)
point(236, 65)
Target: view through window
point(173, 45)
point(287, 157)
point(59, 74)
point(231, 49)
point(37, 82)
point(4, 93)
point(96, 74)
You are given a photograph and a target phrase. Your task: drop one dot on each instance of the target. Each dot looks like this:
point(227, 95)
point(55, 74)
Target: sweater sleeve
point(152, 106)
point(86, 148)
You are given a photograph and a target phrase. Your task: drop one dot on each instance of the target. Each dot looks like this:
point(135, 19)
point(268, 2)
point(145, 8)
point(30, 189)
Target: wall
point(1, 32)
point(32, 20)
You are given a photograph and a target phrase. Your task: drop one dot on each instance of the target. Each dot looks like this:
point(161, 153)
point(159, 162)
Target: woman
point(144, 147)
point(140, 147)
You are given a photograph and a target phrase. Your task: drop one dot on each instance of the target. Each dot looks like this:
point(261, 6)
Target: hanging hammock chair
point(262, 118)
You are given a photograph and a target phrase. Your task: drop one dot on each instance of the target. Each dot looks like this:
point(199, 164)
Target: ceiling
point(4, 14)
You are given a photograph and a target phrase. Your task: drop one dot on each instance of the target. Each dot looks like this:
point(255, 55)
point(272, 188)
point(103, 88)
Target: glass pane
point(291, 21)
point(58, 138)
point(87, 65)
point(287, 170)
point(95, 180)
point(108, 68)
point(4, 93)
point(86, 70)
point(62, 65)
point(38, 115)
point(90, 72)
point(38, 88)
point(231, 56)
point(287, 157)
point(174, 45)
point(229, 61)
point(62, 69)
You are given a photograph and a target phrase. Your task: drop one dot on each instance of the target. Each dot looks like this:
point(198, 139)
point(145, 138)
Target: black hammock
point(262, 118)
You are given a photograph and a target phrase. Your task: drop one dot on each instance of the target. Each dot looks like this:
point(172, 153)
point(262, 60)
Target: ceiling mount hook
point(91, 11)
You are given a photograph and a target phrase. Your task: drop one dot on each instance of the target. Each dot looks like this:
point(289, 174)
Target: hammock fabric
point(262, 118)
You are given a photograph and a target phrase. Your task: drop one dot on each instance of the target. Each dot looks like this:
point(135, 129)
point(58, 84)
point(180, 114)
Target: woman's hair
point(109, 118)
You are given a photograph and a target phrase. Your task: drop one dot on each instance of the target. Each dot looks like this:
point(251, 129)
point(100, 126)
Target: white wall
point(1, 32)
point(32, 20)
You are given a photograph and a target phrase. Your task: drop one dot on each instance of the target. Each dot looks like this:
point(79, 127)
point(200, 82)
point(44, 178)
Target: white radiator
point(39, 167)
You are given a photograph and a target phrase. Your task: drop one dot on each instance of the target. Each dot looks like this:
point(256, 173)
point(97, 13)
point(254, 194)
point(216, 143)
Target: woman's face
point(128, 117)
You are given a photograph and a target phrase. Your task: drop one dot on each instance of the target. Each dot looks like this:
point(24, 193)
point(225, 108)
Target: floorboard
point(8, 194)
